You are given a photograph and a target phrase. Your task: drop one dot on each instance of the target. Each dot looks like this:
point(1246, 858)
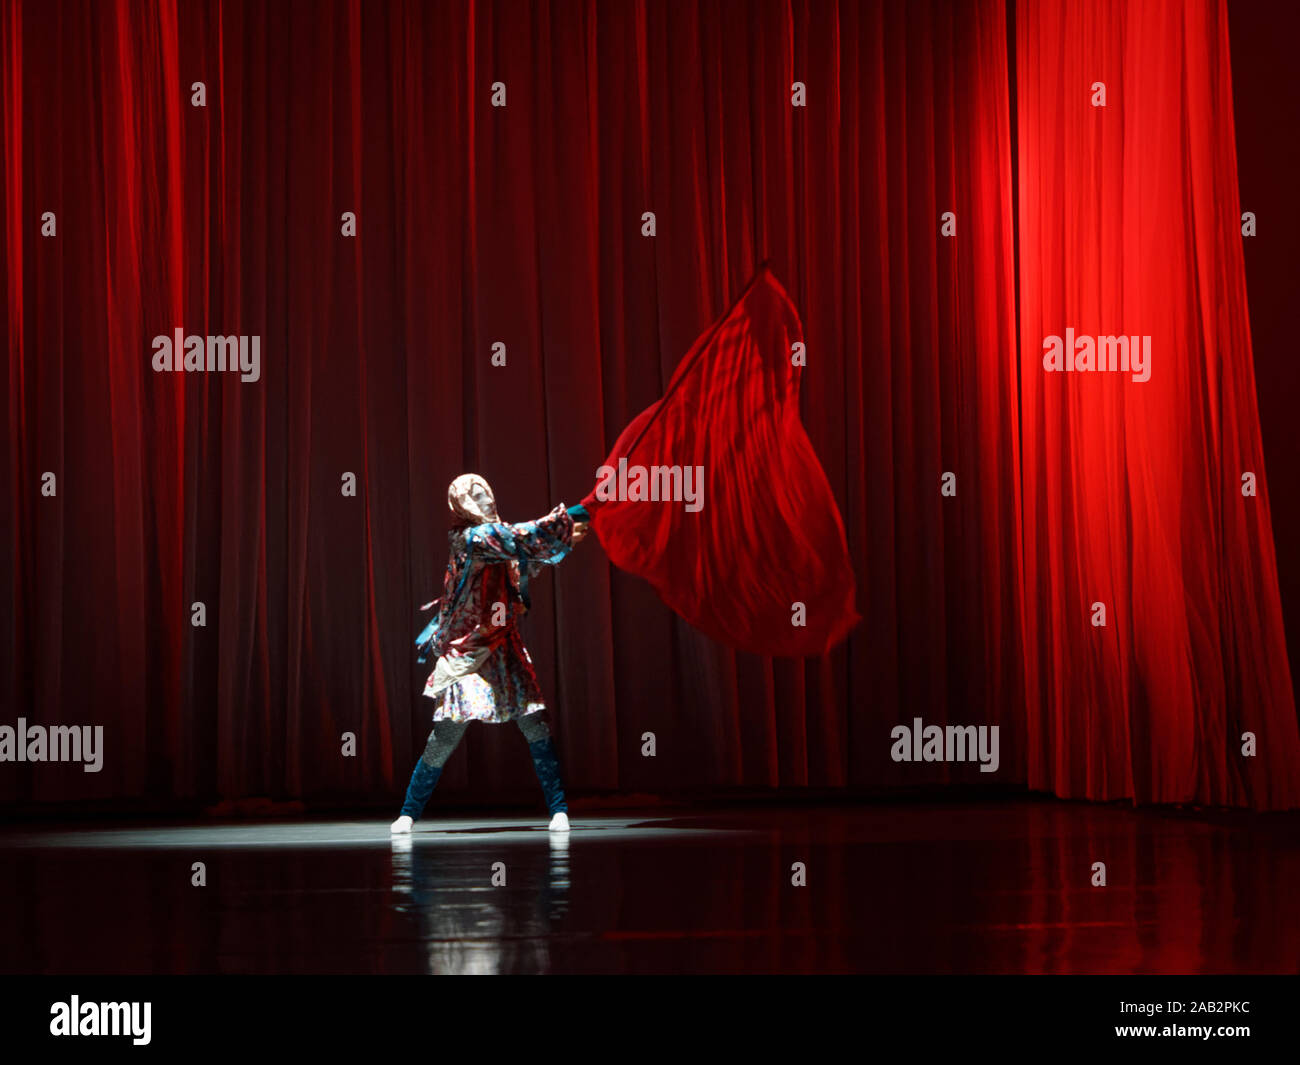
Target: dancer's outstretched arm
point(546, 540)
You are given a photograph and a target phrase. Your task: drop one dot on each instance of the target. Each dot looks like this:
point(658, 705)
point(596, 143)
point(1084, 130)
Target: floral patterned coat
point(483, 671)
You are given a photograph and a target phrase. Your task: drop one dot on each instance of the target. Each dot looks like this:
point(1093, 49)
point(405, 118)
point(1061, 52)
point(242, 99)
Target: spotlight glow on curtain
point(1130, 224)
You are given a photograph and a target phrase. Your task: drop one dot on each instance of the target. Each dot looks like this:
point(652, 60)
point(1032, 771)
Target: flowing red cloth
point(760, 536)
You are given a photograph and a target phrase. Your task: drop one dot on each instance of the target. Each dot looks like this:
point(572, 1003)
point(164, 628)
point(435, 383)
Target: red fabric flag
point(715, 496)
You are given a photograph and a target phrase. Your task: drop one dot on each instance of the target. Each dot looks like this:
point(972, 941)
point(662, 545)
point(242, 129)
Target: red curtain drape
point(523, 231)
point(1130, 223)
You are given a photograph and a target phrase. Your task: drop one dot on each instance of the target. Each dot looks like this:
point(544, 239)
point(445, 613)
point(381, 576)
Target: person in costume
point(482, 669)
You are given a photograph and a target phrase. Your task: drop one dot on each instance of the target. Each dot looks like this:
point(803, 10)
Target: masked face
point(470, 498)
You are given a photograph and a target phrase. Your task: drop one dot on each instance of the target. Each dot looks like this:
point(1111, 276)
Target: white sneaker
point(401, 825)
point(560, 822)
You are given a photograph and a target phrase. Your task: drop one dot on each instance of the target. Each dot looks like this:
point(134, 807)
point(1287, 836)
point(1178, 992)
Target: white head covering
point(461, 498)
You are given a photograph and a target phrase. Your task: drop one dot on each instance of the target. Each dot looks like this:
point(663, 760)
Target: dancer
point(483, 671)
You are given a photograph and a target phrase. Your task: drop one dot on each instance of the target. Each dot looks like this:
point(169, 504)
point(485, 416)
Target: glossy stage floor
point(997, 887)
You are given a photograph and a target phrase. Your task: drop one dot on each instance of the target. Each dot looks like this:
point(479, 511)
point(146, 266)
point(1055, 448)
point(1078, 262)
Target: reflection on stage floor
point(891, 888)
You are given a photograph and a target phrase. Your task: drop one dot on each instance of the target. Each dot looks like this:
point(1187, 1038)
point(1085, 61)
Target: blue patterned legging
point(446, 737)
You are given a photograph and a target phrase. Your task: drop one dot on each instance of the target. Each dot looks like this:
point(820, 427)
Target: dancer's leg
point(542, 748)
point(442, 741)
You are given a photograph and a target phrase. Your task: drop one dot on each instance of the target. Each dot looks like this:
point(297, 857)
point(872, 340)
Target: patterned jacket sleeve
point(542, 542)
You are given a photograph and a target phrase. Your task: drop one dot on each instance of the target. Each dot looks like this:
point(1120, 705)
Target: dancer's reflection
point(471, 925)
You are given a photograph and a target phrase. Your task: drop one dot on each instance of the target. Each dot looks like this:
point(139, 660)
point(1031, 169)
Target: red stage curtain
point(1130, 224)
point(523, 230)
